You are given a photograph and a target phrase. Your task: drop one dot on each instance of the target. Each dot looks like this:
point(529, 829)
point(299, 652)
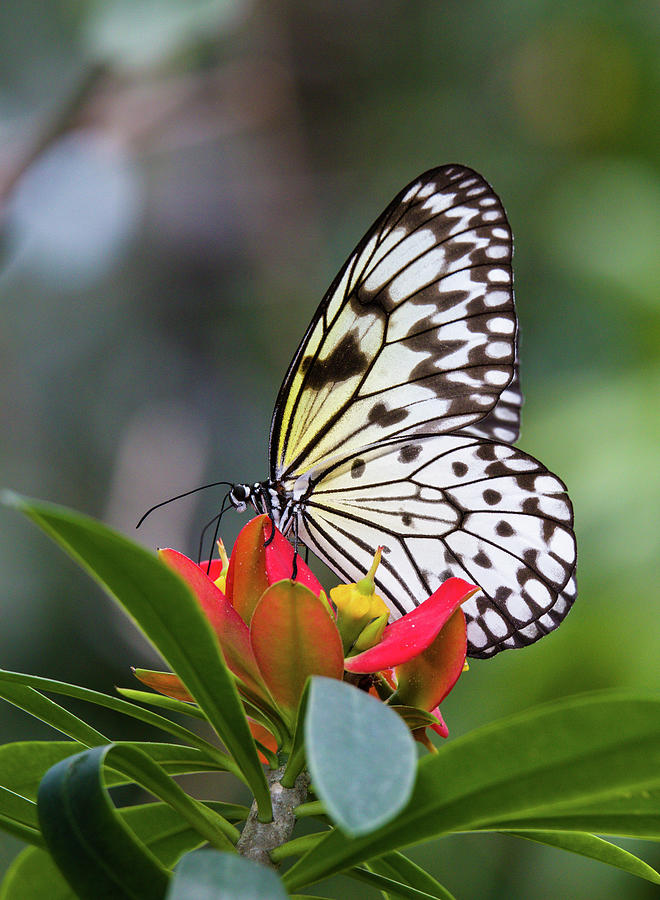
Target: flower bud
point(361, 614)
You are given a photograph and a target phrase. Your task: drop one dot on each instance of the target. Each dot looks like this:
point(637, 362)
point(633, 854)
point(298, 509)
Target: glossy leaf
point(360, 754)
point(33, 702)
point(114, 703)
point(34, 875)
point(149, 698)
point(87, 836)
point(23, 765)
point(209, 875)
point(581, 755)
point(293, 636)
point(169, 615)
point(398, 866)
point(634, 812)
point(595, 848)
point(388, 885)
point(89, 842)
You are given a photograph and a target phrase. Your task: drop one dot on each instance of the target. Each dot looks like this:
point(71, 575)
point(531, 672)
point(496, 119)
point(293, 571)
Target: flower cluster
point(274, 633)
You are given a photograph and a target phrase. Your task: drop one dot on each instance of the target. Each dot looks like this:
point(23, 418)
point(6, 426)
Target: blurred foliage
point(179, 182)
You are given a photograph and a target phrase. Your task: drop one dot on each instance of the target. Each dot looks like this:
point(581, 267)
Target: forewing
point(451, 505)
point(503, 421)
point(417, 330)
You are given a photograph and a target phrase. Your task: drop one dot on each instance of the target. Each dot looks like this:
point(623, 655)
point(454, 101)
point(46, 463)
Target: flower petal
point(294, 636)
point(440, 727)
point(257, 562)
point(164, 682)
point(231, 630)
point(406, 638)
point(427, 679)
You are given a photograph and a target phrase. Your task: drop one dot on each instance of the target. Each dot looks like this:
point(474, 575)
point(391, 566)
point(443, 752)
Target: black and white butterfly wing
point(416, 332)
point(451, 505)
point(390, 425)
point(503, 421)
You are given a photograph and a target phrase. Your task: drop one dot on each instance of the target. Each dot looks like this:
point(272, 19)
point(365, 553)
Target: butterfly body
point(395, 422)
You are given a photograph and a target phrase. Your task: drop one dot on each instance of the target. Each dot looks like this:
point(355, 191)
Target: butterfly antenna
point(179, 496)
point(201, 537)
point(216, 518)
point(215, 538)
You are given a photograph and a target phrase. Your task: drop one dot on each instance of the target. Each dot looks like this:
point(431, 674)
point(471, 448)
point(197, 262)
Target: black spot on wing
point(357, 468)
point(482, 560)
point(409, 452)
point(345, 361)
point(503, 529)
point(379, 414)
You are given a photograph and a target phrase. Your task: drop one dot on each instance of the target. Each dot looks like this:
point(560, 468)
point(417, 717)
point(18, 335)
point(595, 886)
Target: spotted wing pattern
point(451, 505)
point(503, 421)
point(416, 332)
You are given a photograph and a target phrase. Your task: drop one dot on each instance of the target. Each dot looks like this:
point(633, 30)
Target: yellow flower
point(361, 614)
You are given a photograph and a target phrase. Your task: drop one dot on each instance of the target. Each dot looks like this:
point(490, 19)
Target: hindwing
point(451, 505)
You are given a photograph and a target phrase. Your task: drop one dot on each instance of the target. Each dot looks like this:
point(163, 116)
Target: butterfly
point(395, 423)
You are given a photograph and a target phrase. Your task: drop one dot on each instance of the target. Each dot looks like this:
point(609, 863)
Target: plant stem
point(259, 838)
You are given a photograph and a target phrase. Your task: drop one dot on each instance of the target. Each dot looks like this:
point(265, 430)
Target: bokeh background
point(180, 181)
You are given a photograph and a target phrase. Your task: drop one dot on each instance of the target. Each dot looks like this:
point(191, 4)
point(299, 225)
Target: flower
point(275, 632)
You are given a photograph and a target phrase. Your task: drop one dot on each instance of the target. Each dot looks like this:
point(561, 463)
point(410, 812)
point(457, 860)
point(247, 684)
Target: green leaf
point(169, 703)
point(634, 812)
point(114, 703)
point(24, 763)
point(34, 875)
point(398, 866)
point(15, 807)
point(296, 759)
point(389, 885)
point(95, 851)
point(167, 612)
point(18, 816)
point(31, 701)
point(208, 875)
point(88, 838)
point(581, 754)
point(360, 754)
point(593, 847)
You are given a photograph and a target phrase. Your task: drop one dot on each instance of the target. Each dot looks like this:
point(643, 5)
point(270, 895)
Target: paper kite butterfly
point(396, 420)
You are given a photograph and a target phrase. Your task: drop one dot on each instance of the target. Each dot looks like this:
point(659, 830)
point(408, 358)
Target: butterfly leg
point(294, 571)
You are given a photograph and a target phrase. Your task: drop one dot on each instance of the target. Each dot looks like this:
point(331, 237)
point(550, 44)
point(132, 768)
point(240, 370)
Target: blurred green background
point(180, 181)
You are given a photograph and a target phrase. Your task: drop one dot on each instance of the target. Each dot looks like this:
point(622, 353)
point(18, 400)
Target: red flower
point(274, 633)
